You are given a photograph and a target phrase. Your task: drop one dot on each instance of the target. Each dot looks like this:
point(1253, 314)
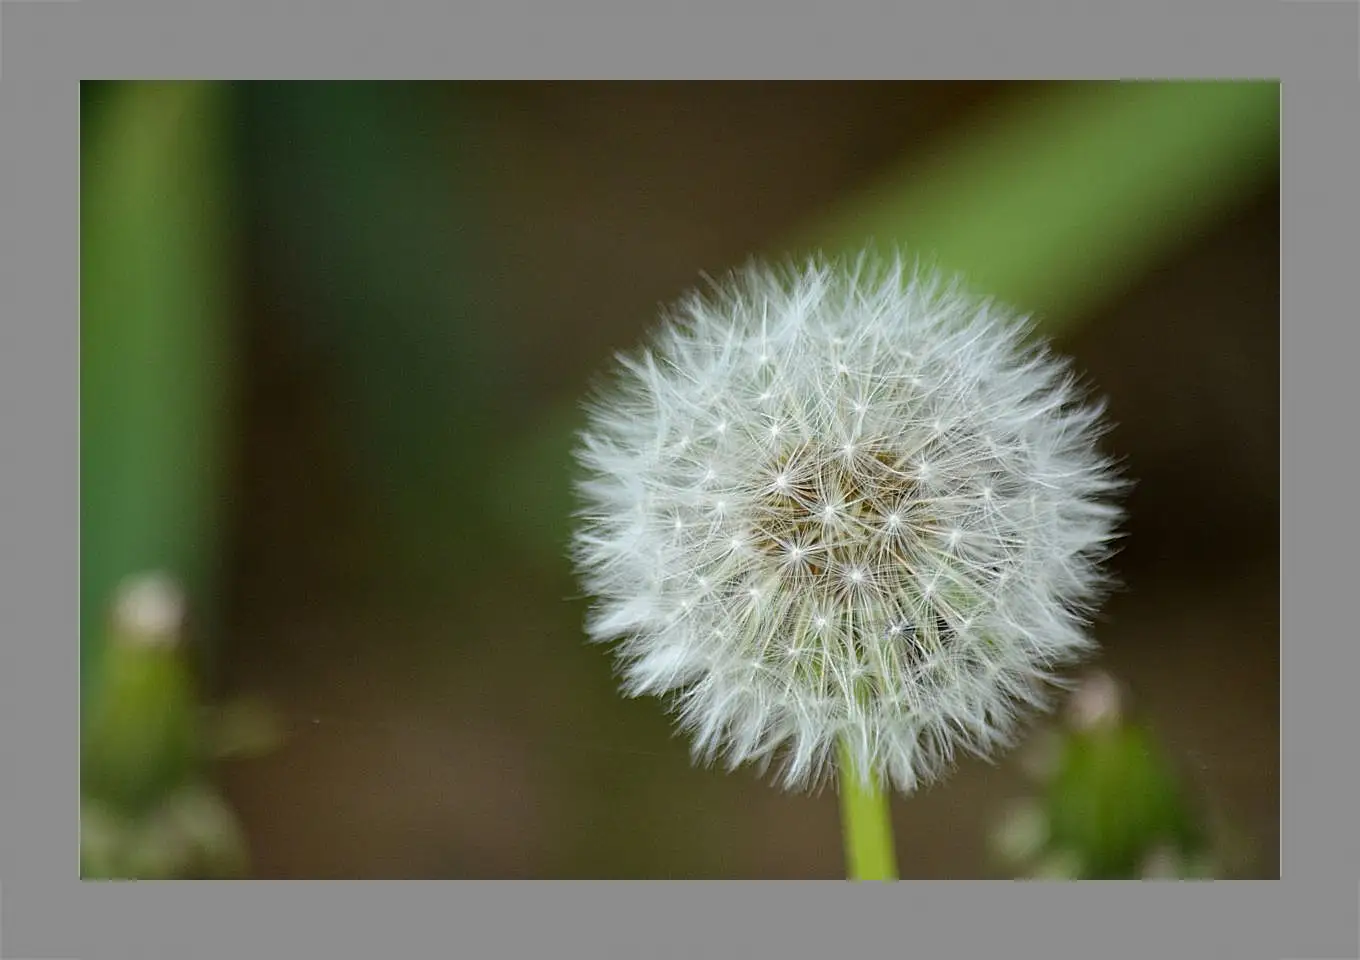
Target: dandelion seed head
point(844, 502)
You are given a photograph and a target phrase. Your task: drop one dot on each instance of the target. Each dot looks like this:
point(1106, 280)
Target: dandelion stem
point(867, 825)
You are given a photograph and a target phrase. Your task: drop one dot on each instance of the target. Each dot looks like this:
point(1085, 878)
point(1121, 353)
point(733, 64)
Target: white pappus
point(844, 502)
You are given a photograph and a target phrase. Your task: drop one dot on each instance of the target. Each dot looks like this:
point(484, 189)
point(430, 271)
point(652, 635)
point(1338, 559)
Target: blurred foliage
point(141, 735)
point(158, 370)
point(156, 358)
point(1058, 202)
point(148, 810)
point(1109, 804)
point(192, 834)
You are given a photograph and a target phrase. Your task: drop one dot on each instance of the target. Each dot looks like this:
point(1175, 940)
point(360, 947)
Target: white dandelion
point(847, 504)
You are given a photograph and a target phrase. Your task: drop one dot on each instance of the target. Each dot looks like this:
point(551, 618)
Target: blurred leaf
point(244, 728)
point(155, 342)
point(1064, 196)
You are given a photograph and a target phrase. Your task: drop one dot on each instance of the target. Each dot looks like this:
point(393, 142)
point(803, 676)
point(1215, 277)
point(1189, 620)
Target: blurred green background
point(333, 338)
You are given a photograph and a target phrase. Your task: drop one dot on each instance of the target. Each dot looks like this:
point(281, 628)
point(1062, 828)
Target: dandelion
point(844, 513)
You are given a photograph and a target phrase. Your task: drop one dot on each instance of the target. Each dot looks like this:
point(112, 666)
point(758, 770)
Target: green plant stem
point(866, 822)
point(156, 346)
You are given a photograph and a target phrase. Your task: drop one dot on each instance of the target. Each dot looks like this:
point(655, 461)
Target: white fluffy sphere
point(847, 502)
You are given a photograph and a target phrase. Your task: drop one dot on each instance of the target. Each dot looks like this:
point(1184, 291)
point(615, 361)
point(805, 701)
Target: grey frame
point(1312, 46)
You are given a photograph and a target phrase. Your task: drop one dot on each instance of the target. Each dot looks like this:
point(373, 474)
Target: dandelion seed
point(896, 549)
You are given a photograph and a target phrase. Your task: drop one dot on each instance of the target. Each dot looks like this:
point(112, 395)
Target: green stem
point(156, 347)
point(866, 821)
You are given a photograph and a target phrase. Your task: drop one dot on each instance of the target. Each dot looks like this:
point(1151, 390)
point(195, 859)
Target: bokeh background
point(333, 340)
